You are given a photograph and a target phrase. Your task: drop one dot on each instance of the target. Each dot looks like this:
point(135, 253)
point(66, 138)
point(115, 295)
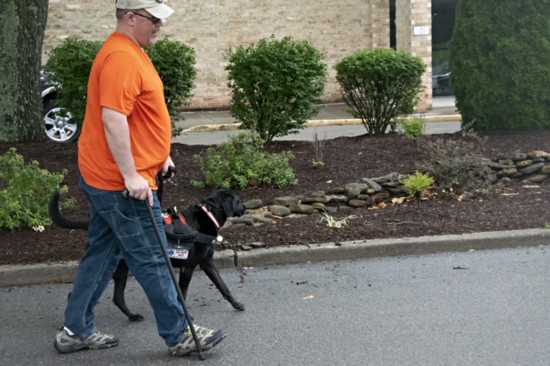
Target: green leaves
point(26, 190)
point(499, 64)
point(241, 163)
point(72, 61)
point(380, 85)
point(175, 64)
point(274, 85)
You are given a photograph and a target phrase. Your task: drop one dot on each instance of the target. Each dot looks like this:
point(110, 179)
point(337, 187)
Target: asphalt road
point(469, 308)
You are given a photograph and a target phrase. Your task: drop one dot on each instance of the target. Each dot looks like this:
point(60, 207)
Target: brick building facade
point(335, 27)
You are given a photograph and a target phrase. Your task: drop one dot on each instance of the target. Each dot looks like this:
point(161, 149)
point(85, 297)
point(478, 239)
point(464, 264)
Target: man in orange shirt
point(124, 144)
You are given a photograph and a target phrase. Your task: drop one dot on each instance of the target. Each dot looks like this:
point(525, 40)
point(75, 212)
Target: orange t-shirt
point(124, 79)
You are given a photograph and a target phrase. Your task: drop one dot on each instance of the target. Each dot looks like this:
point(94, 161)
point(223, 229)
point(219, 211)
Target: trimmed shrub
point(274, 85)
point(241, 162)
point(71, 62)
point(499, 64)
point(175, 63)
point(380, 85)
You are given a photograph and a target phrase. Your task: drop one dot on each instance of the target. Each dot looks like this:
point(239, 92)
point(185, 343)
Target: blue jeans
point(121, 228)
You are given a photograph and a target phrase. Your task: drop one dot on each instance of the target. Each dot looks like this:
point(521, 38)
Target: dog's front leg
point(212, 272)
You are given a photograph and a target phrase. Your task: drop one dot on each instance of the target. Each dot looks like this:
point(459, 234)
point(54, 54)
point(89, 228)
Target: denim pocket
point(121, 214)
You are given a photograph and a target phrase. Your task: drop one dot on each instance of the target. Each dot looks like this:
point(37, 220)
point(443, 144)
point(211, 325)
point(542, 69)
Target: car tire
point(58, 125)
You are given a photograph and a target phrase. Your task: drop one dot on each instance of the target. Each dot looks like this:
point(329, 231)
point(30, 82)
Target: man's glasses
point(153, 20)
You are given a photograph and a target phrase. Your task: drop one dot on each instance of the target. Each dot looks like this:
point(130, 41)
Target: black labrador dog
point(206, 218)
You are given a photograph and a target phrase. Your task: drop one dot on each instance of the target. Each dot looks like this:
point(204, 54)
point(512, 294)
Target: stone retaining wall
point(530, 168)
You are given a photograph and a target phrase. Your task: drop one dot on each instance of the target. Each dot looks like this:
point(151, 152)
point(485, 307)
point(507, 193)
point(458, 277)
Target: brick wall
point(413, 24)
point(336, 27)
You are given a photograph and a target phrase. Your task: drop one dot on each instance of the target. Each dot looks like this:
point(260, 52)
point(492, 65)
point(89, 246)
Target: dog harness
point(181, 236)
point(210, 215)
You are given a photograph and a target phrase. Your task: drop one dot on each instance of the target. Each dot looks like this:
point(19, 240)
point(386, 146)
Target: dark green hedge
point(500, 64)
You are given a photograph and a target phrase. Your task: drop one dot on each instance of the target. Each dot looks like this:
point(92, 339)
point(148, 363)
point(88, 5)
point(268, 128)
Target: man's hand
point(168, 169)
point(138, 188)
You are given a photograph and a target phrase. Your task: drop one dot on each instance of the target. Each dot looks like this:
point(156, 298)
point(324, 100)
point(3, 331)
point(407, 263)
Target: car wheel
point(58, 125)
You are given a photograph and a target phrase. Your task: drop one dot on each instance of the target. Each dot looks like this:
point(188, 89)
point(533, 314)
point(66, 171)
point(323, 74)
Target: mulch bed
point(347, 160)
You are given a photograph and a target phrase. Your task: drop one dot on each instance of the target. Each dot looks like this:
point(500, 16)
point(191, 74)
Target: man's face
point(146, 27)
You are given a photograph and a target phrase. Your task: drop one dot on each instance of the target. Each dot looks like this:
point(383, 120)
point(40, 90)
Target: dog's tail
point(58, 218)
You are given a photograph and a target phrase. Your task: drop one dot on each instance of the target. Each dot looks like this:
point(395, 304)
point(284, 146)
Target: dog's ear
point(235, 207)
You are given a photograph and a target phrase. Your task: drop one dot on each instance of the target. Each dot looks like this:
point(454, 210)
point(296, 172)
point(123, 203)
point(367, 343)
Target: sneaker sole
point(71, 349)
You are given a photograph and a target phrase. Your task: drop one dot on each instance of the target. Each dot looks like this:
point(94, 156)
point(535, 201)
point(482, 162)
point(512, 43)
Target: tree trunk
point(22, 26)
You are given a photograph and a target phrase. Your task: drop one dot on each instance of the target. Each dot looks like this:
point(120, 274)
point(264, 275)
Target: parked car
point(58, 123)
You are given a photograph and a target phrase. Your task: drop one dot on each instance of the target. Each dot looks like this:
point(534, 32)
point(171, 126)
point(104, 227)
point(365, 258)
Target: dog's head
point(223, 204)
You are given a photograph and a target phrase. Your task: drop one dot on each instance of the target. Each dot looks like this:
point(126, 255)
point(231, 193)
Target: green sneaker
point(65, 343)
point(207, 338)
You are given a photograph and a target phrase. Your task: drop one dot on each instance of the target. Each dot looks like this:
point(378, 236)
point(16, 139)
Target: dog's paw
point(237, 305)
point(136, 318)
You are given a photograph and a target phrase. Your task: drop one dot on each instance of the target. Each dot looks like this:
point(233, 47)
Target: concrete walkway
point(333, 120)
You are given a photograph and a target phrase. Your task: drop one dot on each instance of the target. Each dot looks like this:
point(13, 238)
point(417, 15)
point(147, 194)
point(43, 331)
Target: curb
point(35, 274)
point(320, 122)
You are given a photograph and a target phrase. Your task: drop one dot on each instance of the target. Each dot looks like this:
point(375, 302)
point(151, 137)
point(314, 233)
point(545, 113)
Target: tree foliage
point(499, 62)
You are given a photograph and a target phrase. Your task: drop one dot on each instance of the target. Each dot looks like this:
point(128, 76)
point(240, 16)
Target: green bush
point(458, 166)
point(379, 86)
point(26, 190)
point(175, 63)
point(274, 85)
point(72, 61)
point(241, 162)
point(499, 64)
point(70, 64)
point(412, 127)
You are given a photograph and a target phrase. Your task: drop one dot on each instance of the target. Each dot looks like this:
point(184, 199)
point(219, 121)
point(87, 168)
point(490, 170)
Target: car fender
point(48, 90)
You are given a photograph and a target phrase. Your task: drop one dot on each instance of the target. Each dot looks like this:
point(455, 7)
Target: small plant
point(241, 162)
point(333, 222)
point(318, 149)
point(547, 225)
point(25, 193)
point(458, 166)
point(417, 184)
point(412, 127)
point(380, 85)
point(274, 85)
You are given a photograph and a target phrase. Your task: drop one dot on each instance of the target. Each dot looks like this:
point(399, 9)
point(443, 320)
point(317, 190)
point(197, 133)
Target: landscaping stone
point(529, 168)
